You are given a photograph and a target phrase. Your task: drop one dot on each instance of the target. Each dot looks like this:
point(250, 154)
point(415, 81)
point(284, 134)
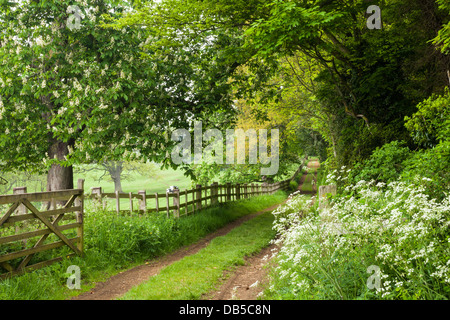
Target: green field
point(157, 181)
point(152, 183)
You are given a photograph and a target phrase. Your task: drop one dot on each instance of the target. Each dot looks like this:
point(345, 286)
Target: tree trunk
point(115, 169)
point(59, 177)
point(117, 184)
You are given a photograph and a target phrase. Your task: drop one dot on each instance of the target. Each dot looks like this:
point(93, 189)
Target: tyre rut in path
point(248, 281)
point(245, 282)
point(118, 285)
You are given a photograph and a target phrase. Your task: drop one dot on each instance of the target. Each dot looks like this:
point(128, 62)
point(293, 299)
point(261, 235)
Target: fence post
point(167, 203)
point(20, 190)
point(156, 202)
point(238, 191)
point(117, 202)
point(253, 189)
point(193, 201)
point(21, 209)
point(79, 202)
point(176, 202)
point(228, 191)
point(214, 193)
point(98, 192)
point(198, 196)
point(186, 204)
point(142, 201)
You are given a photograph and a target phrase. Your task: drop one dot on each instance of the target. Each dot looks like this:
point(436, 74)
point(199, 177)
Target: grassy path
point(308, 183)
point(248, 281)
point(197, 274)
point(119, 284)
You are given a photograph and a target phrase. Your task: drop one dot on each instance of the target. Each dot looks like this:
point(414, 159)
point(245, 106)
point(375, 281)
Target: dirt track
point(248, 281)
point(121, 283)
point(244, 283)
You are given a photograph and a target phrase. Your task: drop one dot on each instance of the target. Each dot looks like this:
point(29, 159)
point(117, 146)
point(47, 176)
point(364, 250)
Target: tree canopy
point(134, 71)
point(91, 93)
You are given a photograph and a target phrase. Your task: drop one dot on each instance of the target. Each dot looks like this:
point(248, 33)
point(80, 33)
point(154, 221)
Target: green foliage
point(430, 168)
point(443, 38)
point(384, 165)
point(293, 185)
point(430, 128)
point(365, 84)
point(431, 123)
point(107, 93)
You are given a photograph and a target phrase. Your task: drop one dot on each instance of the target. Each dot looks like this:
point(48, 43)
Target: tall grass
point(114, 243)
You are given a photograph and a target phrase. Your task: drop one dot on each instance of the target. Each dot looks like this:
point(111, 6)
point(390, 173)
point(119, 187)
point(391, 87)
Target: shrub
point(431, 123)
point(293, 185)
point(430, 128)
point(431, 169)
point(384, 165)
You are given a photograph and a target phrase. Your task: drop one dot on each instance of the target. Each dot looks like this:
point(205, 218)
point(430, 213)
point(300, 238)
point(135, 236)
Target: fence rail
point(183, 202)
point(21, 222)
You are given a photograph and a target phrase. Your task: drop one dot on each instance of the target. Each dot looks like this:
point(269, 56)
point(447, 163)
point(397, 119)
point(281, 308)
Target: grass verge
point(195, 275)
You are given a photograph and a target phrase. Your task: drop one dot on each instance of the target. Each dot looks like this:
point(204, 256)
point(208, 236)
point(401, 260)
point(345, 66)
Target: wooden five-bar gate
point(28, 218)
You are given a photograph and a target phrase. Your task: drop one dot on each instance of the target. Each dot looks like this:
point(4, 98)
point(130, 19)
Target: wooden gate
point(21, 222)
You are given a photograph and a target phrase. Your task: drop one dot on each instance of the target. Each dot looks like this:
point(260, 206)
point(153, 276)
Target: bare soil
point(245, 282)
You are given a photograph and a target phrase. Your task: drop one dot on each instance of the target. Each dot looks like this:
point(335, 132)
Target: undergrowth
point(376, 241)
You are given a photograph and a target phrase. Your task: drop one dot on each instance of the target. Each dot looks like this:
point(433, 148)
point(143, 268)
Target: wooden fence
point(23, 221)
point(183, 202)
